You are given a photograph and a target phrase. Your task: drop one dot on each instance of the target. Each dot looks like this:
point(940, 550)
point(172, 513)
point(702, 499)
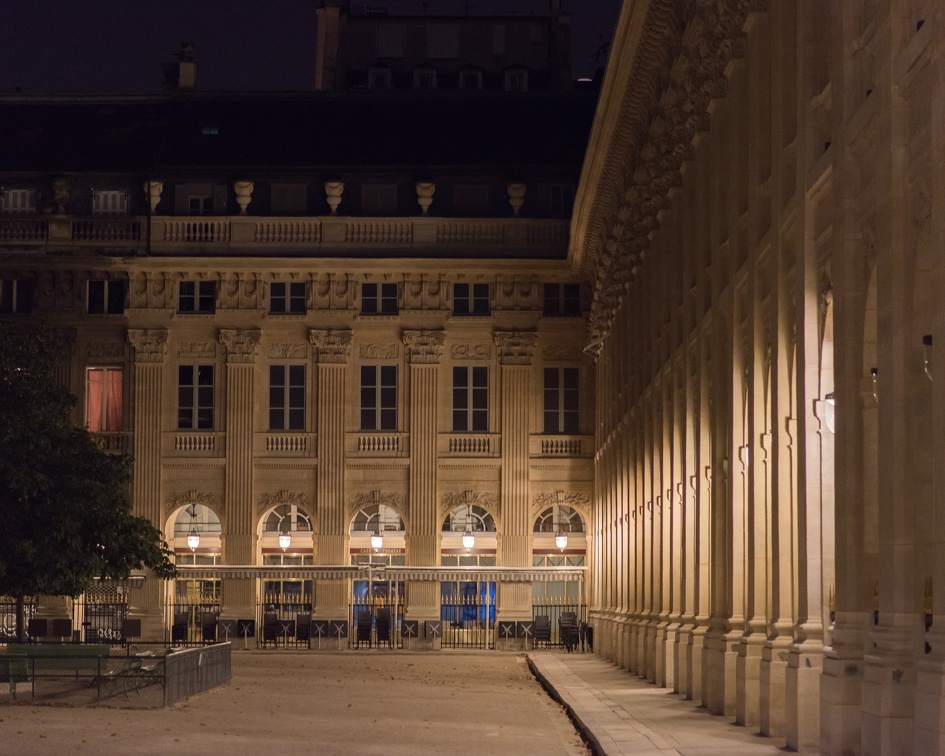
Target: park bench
point(136, 672)
point(77, 658)
point(13, 670)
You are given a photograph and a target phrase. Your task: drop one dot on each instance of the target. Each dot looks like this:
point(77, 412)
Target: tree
point(65, 515)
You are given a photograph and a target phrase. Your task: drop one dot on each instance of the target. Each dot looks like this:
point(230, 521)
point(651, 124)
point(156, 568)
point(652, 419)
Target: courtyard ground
point(281, 702)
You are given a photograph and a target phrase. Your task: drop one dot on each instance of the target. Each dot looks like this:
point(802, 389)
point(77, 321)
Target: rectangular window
point(378, 199)
point(106, 297)
point(18, 201)
point(201, 204)
point(561, 400)
point(288, 199)
point(17, 296)
point(287, 397)
point(287, 298)
point(379, 397)
point(103, 399)
point(195, 397)
point(109, 203)
point(471, 299)
point(470, 80)
point(471, 399)
point(197, 297)
point(379, 299)
point(562, 300)
point(516, 80)
point(562, 200)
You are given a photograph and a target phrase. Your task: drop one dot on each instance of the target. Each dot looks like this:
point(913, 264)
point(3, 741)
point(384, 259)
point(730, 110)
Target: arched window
point(287, 518)
point(469, 517)
point(199, 518)
point(377, 518)
point(559, 518)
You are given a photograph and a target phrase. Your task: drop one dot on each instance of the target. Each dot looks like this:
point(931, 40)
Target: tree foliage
point(65, 514)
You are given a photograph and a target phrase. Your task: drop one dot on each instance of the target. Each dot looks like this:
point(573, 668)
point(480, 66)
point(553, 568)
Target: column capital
point(150, 344)
point(424, 347)
point(515, 347)
point(331, 346)
point(242, 346)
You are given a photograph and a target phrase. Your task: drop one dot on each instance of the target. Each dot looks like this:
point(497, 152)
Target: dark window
point(561, 400)
point(287, 298)
point(287, 397)
point(471, 399)
point(17, 296)
point(562, 200)
point(471, 299)
point(106, 297)
point(379, 299)
point(562, 300)
point(200, 205)
point(197, 297)
point(195, 397)
point(379, 397)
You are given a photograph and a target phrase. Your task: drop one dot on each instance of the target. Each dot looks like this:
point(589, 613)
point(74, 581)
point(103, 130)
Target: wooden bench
point(13, 670)
point(77, 658)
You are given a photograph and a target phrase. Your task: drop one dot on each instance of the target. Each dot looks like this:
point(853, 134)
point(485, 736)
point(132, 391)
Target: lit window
point(379, 397)
point(210, 130)
point(562, 300)
point(561, 398)
point(287, 397)
point(470, 399)
point(17, 296)
point(379, 299)
point(195, 397)
point(197, 297)
point(287, 298)
point(109, 203)
point(103, 399)
point(18, 201)
point(106, 297)
point(471, 299)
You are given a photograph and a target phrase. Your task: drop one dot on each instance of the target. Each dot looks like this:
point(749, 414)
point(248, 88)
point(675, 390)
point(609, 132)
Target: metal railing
point(554, 610)
point(375, 625)
point(468, 621)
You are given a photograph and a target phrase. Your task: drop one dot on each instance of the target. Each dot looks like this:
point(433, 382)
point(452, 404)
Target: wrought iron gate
point(467, 610)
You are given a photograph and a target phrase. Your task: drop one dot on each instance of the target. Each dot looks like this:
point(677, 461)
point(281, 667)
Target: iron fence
point(8, 616)
point(100, 621)
point(553, 612)
point(468, 615)
point(191, 623)
point(376, 625)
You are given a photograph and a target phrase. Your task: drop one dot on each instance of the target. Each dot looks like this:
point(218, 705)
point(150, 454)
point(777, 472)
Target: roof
point(424, 131)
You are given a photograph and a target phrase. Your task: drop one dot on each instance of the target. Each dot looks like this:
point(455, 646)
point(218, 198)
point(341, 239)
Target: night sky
point(55, 46)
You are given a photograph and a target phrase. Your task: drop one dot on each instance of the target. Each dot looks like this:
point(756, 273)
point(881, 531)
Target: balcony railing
point(376, 444)
point(117, 442)
point(468, 444)
point(561, 446)
point(106, 230)
point(23, 230)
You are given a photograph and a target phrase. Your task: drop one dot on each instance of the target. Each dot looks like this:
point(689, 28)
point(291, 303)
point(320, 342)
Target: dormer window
point(424, 78)
point(516, 80)
point(470, 80)
point(379, 78)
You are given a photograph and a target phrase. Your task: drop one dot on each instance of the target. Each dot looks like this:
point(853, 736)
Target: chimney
point(186, 66)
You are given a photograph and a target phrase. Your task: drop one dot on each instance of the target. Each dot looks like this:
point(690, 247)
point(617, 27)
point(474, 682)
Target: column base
point(774, 660)
point(748, 680)
point(695, 662)
point(840, 696)
point(802, 697)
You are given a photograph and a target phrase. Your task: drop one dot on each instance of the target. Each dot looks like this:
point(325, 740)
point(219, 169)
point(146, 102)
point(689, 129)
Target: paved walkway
point(621, 714)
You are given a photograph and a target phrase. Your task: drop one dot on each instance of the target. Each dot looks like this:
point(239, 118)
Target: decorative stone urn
point(244, 193)
point(333, 190)
point(516, 196)
point(425, 190)
point(62, 189)
point(152, 192)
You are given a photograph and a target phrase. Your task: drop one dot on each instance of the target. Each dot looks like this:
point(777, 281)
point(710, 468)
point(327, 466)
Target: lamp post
point(193, 540)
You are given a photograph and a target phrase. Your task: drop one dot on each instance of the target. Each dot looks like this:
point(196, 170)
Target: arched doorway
point(193, 607)
point(559, 539)
point(285, 540)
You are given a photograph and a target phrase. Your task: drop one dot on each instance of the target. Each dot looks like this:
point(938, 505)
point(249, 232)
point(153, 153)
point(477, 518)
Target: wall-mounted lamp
point(193, 540)
point(377, 540)
point(927, 356)
point(830, 412)
point(285, 540)
point(561, 540)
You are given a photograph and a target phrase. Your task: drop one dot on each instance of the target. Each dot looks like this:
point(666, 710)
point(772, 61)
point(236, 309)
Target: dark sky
point(119, 45)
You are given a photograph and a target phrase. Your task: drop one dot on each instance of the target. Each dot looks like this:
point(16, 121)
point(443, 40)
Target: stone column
point(423, 350)
point(516, 351)
point(332, 351)
point(150, 347)
point(238, 599)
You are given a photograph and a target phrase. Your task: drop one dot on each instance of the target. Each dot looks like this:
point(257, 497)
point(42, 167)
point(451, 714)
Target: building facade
point(760, 217)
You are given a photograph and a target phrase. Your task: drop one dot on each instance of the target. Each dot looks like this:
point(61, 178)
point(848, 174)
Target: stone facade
point(758, 218)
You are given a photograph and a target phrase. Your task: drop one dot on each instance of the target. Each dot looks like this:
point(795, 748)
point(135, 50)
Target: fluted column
point(424, 350)
point(332, 351)
point(238, 598)
point(516, 351)
point(150, 347)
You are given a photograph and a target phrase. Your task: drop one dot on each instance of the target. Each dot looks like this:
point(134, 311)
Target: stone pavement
point(621, 714)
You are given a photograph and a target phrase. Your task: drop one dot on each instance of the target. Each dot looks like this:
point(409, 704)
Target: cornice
point(667, 64)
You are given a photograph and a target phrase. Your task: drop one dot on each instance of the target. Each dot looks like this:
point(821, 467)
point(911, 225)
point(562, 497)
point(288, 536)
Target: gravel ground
point(282, 702)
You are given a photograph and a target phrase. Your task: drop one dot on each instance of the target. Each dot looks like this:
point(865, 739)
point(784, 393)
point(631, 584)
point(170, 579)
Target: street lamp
point(377, 540)
point(193, 540)
point(561, 539)
point(469, 540)
point(285, 540)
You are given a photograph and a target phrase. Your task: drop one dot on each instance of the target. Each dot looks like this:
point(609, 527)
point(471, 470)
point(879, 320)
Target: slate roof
point(294, 131)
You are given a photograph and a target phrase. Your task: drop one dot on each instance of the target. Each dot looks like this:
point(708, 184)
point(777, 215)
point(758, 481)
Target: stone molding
point(331, 347)
point(423, 347)
point(150, 343)
point(287, 351)
point(485, 499)
point(284, 496)
point(516, 347)
point(470, 352)
point(242, 346)
point(193, 496)
point(104, 350)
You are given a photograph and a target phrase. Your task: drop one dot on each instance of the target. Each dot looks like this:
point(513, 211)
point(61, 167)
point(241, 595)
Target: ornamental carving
point(515, 347)
point(380, 351)
point(197, 349)
point(287, 351)
point(561, 498)
point(470, 352)
point(242, 346)
point(107, 350)
point(150, 343)
point(331, 347)
point(188, 498)
point(274, 499)
point(485, 499)
point(388, 498)
point(424, 347)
